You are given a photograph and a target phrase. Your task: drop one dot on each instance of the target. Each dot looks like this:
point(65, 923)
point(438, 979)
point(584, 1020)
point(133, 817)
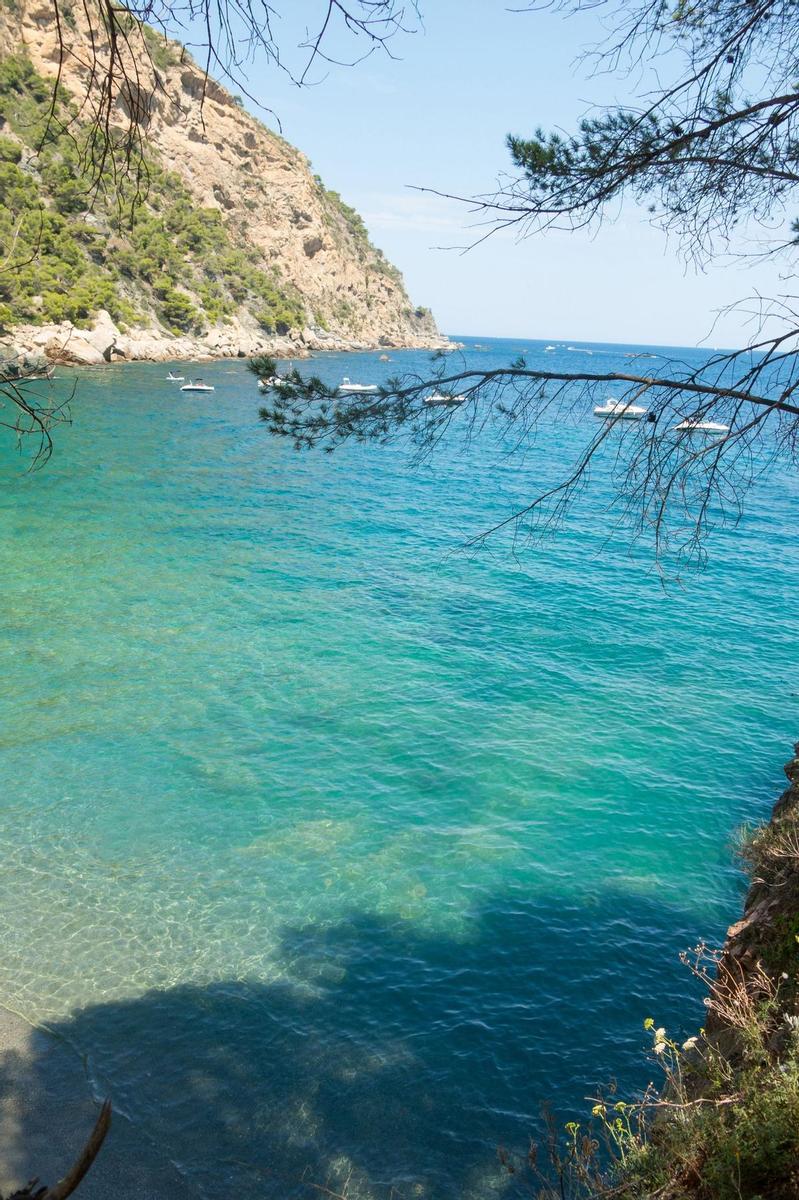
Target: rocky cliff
point(234, 246)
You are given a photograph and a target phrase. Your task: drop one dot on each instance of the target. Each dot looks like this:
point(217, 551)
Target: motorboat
point(175, 378)
point(356, 388)
point(547, 348)
point(199, 386)
point(692, 425)
point(443, 400)
point(620, 410)
point(274, 381)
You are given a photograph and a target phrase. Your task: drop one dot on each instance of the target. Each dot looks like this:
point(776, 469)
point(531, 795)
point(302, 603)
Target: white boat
point(621, 410)
point(175, 378)
point(692, 425)
point(549, 347)
point(442, 400)
point(356, 388)
point(274, 381)
point(199, 386)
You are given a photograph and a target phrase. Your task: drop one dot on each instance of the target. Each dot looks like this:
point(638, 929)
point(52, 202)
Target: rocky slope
point(767, 936)
point(249, 250)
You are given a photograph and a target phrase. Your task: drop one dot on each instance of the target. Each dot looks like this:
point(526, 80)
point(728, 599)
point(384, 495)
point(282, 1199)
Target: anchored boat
point(197, 386)
point(356, 388)
point(692, 425)
point(620, 410)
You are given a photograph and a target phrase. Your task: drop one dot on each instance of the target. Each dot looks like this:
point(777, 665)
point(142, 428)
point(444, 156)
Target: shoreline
point(48, 1111)
point(31, 348)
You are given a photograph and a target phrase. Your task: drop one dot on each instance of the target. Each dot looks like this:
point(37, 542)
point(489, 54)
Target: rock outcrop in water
point(238, 248)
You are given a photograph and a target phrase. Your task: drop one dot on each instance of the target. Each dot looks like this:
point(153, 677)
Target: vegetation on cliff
point(74, 244)
point(147, 190)
point(132, 182)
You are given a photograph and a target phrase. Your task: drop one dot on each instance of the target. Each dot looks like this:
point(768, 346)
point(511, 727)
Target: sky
point(435, 116)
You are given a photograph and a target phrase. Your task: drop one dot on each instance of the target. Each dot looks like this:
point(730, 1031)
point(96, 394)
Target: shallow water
point(339, 851)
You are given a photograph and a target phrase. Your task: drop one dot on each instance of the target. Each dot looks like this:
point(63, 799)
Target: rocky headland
point(233, 246)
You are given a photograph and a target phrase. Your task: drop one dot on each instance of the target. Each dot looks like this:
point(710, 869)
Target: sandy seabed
point(46, 1114)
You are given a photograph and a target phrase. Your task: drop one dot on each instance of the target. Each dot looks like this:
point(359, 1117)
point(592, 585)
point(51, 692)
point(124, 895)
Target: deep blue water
point(336, 849)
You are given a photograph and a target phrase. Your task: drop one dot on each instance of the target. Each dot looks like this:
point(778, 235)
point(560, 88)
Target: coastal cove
point(337, 850)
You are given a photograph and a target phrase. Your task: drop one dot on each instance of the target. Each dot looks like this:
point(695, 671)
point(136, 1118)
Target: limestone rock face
point(73, 349)
point(267, 196)
point(31, 347)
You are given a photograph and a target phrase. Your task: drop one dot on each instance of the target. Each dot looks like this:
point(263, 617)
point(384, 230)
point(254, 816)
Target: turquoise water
point(337, 850)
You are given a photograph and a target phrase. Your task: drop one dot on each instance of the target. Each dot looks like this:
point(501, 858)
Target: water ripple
point(338, 852)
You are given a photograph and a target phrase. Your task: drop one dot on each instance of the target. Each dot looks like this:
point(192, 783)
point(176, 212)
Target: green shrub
point(80, 302)
point(723, 1126)
point(10, 152)
point(179, 312)
point(162, 55)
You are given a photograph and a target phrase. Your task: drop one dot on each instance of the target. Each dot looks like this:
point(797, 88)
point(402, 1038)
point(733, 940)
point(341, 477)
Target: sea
point(339, 849)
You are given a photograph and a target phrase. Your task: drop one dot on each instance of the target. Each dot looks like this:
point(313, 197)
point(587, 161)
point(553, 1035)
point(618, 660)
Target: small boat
point(356, 388)
point(549, 347)
point(622, 410)
point(175, 378)
point(442, 400)
point(199, 386)
point(692, 425)
point(274, 381)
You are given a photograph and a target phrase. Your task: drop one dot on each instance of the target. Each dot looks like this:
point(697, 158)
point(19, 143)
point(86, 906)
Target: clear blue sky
point(437, 116)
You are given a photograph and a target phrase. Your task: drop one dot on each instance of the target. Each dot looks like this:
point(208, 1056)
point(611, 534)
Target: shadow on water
point(393, 1058)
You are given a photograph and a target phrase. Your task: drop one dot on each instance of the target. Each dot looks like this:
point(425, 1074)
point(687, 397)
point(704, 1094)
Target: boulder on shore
point(20, 364)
